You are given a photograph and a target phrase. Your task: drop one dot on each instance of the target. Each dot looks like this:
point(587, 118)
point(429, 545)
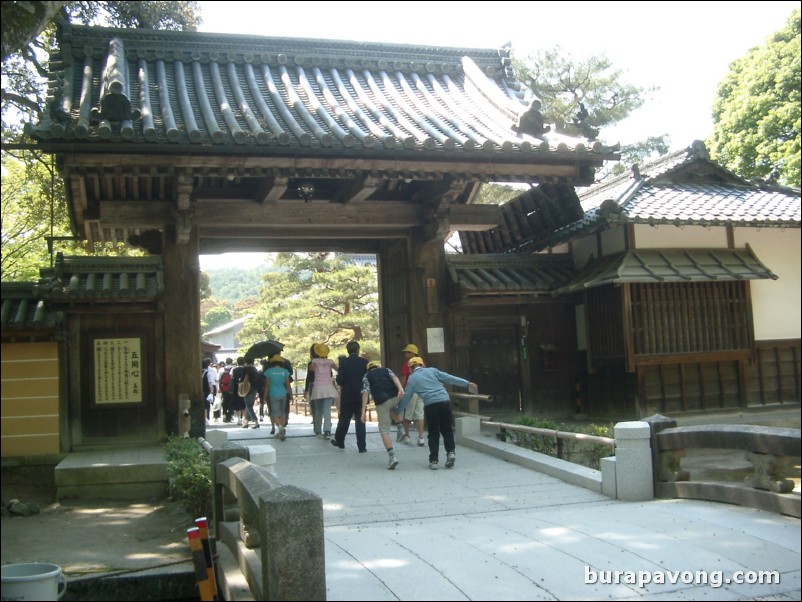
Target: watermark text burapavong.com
point(712, 578)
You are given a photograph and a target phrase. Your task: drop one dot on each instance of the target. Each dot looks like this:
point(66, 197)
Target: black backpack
point(206, 389)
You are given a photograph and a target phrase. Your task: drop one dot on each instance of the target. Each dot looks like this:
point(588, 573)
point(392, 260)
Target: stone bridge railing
point(269, 536)
point(771, 451)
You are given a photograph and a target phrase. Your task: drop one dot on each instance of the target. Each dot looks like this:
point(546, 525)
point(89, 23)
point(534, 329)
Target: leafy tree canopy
point(33, 204)
point(757, 113)
point(316, 298)
point(579, 96)
point(35, 219)
point(216, 316)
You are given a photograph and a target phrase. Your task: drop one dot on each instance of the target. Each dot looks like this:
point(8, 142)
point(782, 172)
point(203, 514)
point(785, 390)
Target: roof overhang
point(671, 265)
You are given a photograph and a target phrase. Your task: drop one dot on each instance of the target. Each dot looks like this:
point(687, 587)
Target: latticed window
point(689, 317)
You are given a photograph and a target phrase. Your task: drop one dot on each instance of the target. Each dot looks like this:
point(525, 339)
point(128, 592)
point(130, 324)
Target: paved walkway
point(485, 530)
point(491, 530)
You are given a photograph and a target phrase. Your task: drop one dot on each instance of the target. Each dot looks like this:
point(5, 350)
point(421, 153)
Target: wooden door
point(495, 367)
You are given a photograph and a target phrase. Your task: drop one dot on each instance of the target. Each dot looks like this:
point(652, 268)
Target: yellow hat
point(276, 359)
point(411, 348)
point(374, 364)
point(415, 361)
point(321, 350)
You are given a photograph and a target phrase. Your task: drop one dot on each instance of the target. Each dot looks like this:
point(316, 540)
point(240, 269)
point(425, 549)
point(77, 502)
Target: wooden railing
point(558, 436)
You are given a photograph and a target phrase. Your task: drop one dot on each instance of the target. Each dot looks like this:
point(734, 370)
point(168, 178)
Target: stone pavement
point(485, 530)
point(492, 530)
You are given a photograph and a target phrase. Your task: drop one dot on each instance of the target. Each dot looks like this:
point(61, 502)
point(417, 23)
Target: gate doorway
point(495, 367)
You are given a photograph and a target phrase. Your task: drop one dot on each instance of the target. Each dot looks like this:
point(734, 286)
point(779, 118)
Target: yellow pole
point(207, 593)
point(209, 549)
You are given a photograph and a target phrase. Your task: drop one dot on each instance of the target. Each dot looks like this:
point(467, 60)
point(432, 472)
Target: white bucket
point(32, 581)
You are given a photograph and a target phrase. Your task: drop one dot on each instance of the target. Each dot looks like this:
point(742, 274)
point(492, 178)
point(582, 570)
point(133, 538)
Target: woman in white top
point(324, 391)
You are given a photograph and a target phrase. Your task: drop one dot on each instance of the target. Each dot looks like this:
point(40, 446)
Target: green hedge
point(190, 473)
point(579, 452)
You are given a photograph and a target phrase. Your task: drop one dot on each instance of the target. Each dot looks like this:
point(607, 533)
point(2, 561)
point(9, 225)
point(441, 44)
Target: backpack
point(244, 386)
point(206, 390)
point(225, 380)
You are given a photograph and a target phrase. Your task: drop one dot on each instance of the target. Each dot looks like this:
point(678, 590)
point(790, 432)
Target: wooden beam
point(473, 218)
point(377, 214)
point(358, 190)
point(526, 169)
point(272, 190)
point(367, 216)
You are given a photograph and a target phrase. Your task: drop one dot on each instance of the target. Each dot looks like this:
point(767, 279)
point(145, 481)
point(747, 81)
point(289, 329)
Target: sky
point(683, 48)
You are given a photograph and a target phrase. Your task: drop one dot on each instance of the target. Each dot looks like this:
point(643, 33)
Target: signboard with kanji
point(118, 370)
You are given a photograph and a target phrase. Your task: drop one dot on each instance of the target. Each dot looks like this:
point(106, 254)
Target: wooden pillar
point(428, 302)
point(182, 336)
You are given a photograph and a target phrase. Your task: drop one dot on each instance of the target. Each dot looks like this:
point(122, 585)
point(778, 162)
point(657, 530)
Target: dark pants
point(439, 420)
point(350, 410)
point(228, 398)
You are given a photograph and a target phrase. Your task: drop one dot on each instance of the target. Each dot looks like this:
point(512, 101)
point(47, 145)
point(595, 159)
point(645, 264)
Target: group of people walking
point(418, 397)
point(238, 387)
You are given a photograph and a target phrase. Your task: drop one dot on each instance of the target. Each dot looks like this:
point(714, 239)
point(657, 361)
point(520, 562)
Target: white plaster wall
point(584, 249)
point(776, 304)
point(674, 237)
point(613, 240)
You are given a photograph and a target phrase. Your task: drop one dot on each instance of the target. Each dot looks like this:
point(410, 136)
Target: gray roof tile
point(102, 279)
point(670, 265)
point(198, 89)
point(504, 274)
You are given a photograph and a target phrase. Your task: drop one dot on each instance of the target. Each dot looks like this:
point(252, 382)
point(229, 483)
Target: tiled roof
point(22, 309)
point(39, 305)
point(671, 265)
point(683, 188)
point(102, 279)
point(534, 215)
point(188, 89)
point(505, 274)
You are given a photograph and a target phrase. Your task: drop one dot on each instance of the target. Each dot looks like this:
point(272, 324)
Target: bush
point(539, 443)
point(190, 473)
point(579, 452)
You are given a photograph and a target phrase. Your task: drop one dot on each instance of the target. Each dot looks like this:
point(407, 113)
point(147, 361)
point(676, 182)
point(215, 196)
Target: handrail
point(478, 396)
point(533, 430)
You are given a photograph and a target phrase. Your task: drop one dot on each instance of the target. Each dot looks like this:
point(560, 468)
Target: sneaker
point(282, 433)
point(433, 464)
point(392, 463)
point(244, 424)
point(404, 438)
point(450, 459)
point(399, 436)
point(421, 443)
point(327, 435)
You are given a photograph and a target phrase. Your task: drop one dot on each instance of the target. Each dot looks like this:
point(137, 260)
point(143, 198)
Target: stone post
point(633, 461)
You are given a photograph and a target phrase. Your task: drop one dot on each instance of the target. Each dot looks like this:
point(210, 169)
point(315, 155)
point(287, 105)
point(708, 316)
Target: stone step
point(133, 474)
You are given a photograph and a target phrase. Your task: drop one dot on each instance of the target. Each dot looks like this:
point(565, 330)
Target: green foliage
point(32, 209)
point(216, 316)
point(31, 214)
point(233, 284)
point(313, 298)
point(497, 194)
point(638, 153)
point(757, 114)
point(562, 82)
point(205, 288)
point(190, 473)
point(580, 452)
